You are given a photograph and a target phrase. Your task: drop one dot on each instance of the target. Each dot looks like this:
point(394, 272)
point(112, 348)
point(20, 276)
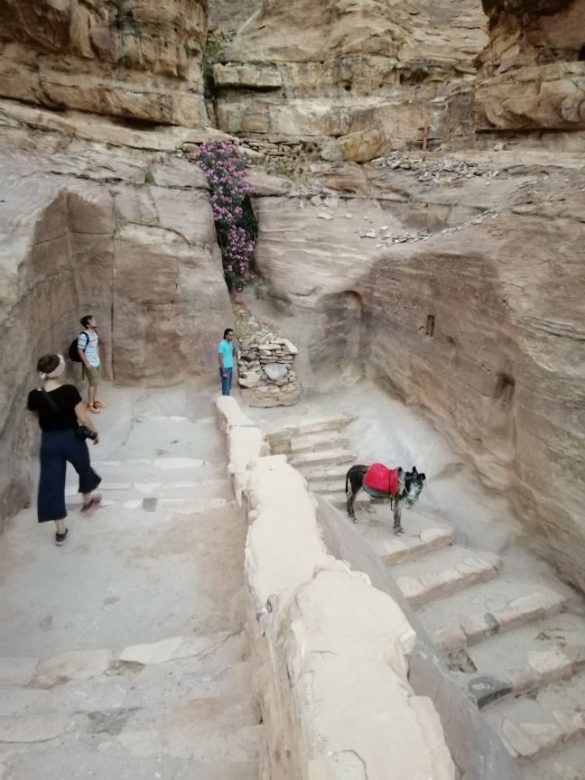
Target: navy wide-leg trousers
point(58, 448)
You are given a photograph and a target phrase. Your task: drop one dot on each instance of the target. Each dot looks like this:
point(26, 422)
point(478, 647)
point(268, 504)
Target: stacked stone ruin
point(265, 371)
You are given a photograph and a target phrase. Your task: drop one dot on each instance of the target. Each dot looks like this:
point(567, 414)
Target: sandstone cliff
point(532, 73)
point(124, 233)
point(437, 277)
point(136, 59)
point(372, 75)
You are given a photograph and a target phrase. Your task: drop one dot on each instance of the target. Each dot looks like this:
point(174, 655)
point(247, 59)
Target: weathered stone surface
point(247, 75)
point(316, 674)
point(140, 60)
point(265, 367)
point(547, 97)
point(492, 347)
point(530, 77)
point(367, 70)
point(142, 258)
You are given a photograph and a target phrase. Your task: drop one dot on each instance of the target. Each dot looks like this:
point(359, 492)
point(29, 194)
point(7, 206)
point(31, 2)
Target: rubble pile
point(429, 171)
point(265, 371)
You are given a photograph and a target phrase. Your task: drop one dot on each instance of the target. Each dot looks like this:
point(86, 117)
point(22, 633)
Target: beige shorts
point(93, 374)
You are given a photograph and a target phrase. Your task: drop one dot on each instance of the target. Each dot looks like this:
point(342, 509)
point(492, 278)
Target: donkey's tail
point(347, 482)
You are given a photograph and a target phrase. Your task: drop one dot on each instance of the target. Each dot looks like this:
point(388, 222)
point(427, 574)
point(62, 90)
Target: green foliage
point(149, 176)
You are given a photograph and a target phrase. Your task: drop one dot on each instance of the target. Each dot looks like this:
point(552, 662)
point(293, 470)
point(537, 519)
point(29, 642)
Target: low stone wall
point(331, 651)
point(477, 750)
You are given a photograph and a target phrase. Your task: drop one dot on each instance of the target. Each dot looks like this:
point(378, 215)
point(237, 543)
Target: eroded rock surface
point(138, 60)
point(532, 73)
point(441, 283)
point(125, 234)
point(371, 75)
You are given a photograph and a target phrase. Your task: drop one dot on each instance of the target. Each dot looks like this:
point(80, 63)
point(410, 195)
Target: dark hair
point(226, 331)
point(47, 363)
point(85, 320)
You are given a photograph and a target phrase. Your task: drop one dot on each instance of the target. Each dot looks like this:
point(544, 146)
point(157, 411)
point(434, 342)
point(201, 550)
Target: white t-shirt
point(92, 354)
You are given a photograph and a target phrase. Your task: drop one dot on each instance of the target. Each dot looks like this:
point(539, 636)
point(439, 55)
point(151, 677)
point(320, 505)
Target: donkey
point(404, 487)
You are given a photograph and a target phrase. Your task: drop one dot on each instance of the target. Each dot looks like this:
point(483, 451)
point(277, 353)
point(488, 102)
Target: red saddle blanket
point(379, 477)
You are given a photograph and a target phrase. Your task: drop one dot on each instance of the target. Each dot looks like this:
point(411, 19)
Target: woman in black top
point(60, 410)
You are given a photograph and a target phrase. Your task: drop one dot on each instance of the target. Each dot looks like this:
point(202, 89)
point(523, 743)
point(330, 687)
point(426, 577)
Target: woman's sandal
point(92, 504)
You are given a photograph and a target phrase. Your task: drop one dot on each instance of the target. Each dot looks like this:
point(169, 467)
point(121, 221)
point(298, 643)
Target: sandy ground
point(162, 557)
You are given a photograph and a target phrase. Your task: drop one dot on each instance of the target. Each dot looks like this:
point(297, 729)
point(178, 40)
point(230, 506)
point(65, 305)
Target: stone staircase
point(514, 642)
point(123, 653)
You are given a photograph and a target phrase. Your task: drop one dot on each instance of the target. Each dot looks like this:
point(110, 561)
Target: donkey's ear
point(414, 471)
point(422, 477)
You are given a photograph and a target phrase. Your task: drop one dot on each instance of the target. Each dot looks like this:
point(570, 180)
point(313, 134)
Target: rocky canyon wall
point(358, 78)
point(532, 73)
point(133, 59)
point(124, 233)
point(460, 286)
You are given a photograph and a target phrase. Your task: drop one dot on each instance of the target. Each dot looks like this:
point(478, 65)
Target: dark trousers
point(226, 382)
point(58, 448)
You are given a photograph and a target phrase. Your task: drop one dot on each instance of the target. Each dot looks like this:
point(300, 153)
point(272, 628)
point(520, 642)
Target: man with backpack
point(89, 354)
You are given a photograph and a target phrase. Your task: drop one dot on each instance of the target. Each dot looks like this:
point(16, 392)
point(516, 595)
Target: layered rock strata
point(358, 78)
point(532, 74)
point(458, 284)
point(124, 233)
point(133, 59)
point(265, 371)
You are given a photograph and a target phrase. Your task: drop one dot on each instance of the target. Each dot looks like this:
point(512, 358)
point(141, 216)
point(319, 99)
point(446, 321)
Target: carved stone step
point(564, 763)
point(444, 572)
point(421, 536)
point(280, 441)
point(312, 442)
point(490, 608)
point(307, 462)
point(527, 658)
point(531, 726)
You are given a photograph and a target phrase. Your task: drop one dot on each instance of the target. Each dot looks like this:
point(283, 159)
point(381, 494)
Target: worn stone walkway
point(122, 653)
point(511, 634)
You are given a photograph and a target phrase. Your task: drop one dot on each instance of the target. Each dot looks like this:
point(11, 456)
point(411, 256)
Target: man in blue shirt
point(225, 357)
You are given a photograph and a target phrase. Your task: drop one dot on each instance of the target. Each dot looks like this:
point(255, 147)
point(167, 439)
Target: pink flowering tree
point(236, 226)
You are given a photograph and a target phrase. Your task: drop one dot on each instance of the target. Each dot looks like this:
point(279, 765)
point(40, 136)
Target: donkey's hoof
point(398, 531)
point(353, 518)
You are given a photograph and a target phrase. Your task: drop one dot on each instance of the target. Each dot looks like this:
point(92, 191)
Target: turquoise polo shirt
point(225, 348)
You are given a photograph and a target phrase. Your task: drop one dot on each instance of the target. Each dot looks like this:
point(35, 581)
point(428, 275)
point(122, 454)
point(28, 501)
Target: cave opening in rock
point(505, 387)
point(581, 55)
point(430, 326)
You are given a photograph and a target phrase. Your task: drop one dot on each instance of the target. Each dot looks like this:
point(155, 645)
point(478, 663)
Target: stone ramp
point(122, 653)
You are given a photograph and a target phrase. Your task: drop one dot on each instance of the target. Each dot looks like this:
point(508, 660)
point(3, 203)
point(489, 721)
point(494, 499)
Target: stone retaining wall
point(331, 651)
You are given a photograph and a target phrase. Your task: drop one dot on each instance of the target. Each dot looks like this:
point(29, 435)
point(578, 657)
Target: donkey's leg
point(353, 491)
point(350, 503)
point(397, 518)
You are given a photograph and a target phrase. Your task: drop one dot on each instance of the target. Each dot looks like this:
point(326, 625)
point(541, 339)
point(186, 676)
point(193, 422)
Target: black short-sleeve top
point(65, 398)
